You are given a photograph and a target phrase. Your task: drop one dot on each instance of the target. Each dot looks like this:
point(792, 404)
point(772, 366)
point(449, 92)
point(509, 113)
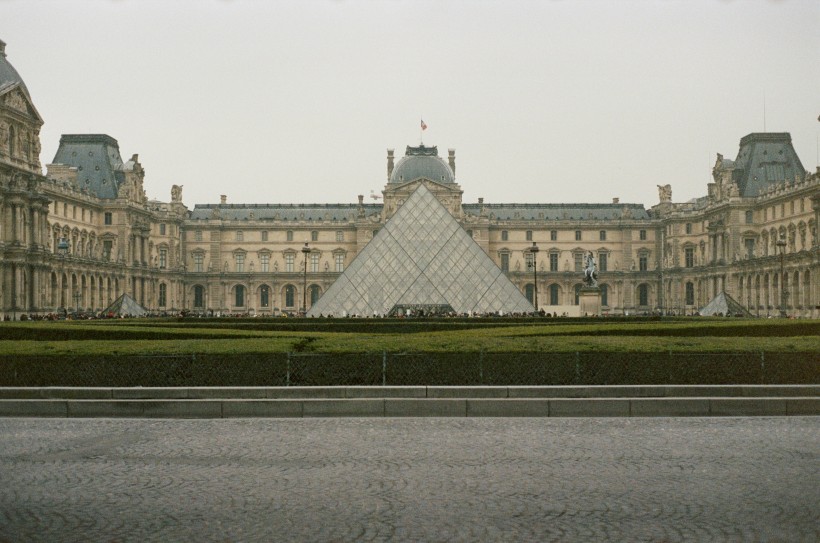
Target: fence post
point(481, 367)
point(287, 372)
point(384, 368)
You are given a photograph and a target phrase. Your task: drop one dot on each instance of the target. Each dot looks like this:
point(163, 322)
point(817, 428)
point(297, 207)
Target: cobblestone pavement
point(658, 479)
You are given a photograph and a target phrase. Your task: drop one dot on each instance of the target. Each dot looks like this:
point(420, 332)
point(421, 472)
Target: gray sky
point(544, 101)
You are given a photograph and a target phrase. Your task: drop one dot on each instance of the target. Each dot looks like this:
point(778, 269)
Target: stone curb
point(412, 407)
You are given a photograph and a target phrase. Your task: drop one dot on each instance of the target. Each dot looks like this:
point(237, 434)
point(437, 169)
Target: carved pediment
point(17, 100)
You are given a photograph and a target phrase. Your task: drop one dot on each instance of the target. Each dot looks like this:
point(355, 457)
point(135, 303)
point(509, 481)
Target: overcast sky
point(543, 101)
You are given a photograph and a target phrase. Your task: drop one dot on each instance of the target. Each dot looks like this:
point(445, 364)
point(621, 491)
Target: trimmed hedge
point(373, 369)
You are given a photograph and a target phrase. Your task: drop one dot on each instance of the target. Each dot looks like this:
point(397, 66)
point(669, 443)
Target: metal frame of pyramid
point(725, 305)
point(422, 259)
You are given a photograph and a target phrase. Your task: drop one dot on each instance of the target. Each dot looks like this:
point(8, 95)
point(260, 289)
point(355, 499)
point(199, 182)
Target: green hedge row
point(373, 369)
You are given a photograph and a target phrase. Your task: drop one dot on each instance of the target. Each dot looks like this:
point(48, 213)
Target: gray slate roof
point(558, 211)
point(765, 159)
point(97, 157)
point(284, 212)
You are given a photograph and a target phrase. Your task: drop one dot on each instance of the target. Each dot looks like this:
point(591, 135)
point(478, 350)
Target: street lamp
point(781, 244)
point(534, 250)
point(306, 252)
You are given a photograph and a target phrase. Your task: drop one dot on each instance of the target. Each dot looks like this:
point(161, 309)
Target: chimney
point(389, 163)
point(223, 199)
point(481, 201)
point(616, 200)
point(451, 155)
point(361, 199)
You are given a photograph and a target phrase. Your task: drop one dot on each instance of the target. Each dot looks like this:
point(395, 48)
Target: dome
point(422, 162)
point(8, 75)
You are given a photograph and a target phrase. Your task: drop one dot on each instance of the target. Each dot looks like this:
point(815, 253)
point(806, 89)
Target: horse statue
point(590, 271)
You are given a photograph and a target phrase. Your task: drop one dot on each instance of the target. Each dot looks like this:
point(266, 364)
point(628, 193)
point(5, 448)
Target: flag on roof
point(423, 125)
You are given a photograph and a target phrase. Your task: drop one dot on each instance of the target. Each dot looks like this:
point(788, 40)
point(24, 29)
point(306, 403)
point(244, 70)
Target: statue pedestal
point(589, 301)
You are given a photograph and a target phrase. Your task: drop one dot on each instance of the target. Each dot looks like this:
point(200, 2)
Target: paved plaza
point(659, 479)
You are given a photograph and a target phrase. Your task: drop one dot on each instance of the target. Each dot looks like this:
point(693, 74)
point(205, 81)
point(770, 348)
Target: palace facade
point(78, 236)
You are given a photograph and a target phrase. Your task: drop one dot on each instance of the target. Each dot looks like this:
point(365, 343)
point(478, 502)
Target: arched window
point(314, 294)
point(264, 296)
point(163, 295)
point(199, 296)
point(690, 293)
point(240, 296)
point(290, 295)
point(577, 294)
point(529, 293)
point(554, 294)
point(643, 294)
point(604, 295)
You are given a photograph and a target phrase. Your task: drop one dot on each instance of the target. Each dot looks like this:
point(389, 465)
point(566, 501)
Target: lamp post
point(781, 244)
point(534, 250)
point(305, 252)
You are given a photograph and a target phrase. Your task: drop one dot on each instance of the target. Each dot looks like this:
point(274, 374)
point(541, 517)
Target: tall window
point(605, 295)
point(240, 263)
point(108, 218)
point(314, 294)
point(240, 296)
point(689, 228)
point(340, 262)
point(553, 235)
point(690, 293)
point(264, 261)
point(163, 295)
point(290, 295)
point(529, 235)
point(314, 262)
point(264, 296)
point(749, 216)
point(528, 260)
point(264, 235)
point(643, 294)
point(340, 235)
point(314, 235)
point(199, 259)
point(602, 235)
point(553, 262)
point(289, 258)
point(577, 297)
point(602, 262)
point(108, 246)
point(579, 261)
point(289, 235)
point(163, 258)
point(505, 262)
point(643, 262)
point(505, 236)
point(162, 229)
point(199, 296)
point(750, 247)
point(529, 292)
point(240, 235)
point(689, 257)
point(642, 235)
point(197, 235)
point(577, 235)
point(553, 294)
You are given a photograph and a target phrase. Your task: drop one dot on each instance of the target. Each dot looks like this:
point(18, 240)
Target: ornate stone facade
point(84, 233)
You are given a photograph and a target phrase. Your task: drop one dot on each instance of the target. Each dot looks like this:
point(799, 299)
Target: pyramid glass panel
point(422, 260)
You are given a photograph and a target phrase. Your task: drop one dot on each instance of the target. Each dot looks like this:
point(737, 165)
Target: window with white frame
point(240, 263)
point(264, 262)
point(340, 235)
point(199, 259)
point(314, 262)
point(340, 262)
point(289, 260)
point(163, 258)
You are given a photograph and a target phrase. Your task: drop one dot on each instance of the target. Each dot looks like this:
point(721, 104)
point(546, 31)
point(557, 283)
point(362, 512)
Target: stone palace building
point(78, 236)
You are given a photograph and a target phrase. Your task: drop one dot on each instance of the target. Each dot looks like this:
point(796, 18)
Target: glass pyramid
point(422, 260)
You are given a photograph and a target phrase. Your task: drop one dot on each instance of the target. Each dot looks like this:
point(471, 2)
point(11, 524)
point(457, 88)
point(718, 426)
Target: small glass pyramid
point(421, 261)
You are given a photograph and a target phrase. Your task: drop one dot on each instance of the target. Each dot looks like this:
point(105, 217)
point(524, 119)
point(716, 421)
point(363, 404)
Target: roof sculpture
point(422, 260)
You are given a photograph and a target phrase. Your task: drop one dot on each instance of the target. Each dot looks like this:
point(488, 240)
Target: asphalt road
point(658, 479)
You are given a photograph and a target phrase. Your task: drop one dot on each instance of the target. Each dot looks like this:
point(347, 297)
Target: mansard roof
point(97, 159)
point(559, 211)
point(765, 159)
point(284, 212)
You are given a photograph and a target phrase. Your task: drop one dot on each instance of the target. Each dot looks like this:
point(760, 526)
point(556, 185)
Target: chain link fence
point(396, 369)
